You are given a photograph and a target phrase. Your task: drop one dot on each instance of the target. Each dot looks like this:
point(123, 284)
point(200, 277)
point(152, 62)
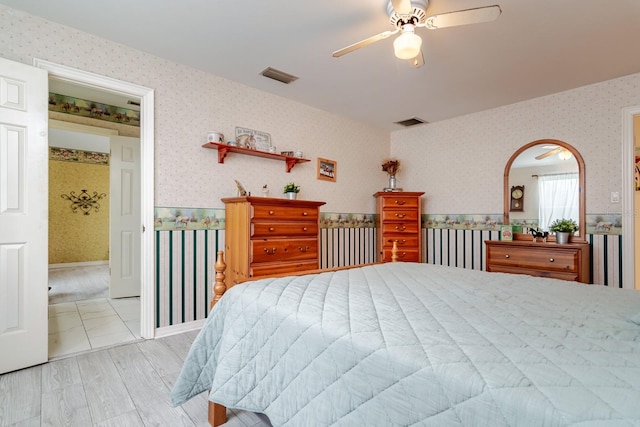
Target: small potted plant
point(563, 228)
point(291, 190)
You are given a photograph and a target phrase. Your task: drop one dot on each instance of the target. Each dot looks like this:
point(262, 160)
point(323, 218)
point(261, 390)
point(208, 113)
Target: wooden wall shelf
point(223, 149)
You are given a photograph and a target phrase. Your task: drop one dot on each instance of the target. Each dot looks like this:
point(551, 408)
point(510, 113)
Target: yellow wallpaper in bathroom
point(76, 237)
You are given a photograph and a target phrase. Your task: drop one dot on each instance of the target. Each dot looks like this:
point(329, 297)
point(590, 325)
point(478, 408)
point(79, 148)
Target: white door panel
point(23, 216)
point(125, 217)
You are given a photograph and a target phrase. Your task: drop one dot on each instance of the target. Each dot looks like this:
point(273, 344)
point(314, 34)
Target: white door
point(125, 217)
point(23, 216)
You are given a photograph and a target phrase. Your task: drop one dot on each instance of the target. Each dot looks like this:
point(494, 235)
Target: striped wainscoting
point(341, 247)
point(466, 249)
point(184, 274)
point(186, 249)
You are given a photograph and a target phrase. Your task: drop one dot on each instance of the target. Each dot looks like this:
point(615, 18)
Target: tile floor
point(85, 325)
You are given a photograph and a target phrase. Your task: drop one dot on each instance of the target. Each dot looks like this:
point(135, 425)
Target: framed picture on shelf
point(506, 233)
point(327, 169)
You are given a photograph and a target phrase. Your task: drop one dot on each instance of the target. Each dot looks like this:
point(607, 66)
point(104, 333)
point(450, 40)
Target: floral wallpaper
point(187, 174)
point(73, 236)
point(460, 162)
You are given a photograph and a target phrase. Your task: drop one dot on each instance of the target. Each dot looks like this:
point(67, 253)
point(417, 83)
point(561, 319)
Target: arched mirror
point(543, 181)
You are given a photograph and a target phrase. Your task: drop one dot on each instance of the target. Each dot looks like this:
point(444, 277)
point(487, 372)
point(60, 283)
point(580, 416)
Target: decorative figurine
point(537, 234)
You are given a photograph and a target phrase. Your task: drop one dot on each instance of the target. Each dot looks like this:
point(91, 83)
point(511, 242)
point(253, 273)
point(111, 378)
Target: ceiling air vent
point(278, 75)
point(411, 122)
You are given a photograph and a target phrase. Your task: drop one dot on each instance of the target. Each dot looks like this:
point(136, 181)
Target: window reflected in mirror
point(551, 171)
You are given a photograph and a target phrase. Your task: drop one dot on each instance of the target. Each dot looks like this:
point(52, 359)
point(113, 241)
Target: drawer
point(532, 258)
point(408, 255)
point(400, 201)
point(403, 242)
point(399, 228)
point(399, 215)
point(283, 229)
point(271, 212)
point(270, 269)
point(271, 250)
point(538, 273)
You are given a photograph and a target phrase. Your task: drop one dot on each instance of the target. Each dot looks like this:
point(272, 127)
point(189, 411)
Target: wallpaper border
point(175, 218)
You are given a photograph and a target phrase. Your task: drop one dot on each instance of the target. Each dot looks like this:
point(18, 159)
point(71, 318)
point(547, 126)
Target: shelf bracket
point(222, 153)
point(290, 163)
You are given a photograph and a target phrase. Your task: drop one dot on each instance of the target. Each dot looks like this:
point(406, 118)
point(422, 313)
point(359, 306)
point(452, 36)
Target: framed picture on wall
point(327, 169)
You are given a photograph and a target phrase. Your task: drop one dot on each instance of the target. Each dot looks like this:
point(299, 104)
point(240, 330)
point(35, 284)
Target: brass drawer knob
point(401, 215)
point(270, 252)
point(551, 259)
point(400, 202)
point(401, 227)
point(301, 249)
point(304, 229)
point(507, 256)
point(272, 229)
point(271, 212)
point(304, 214)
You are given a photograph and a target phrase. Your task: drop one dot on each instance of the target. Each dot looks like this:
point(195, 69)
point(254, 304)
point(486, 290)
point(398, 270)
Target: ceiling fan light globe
point(564, 154)
point(407, 45)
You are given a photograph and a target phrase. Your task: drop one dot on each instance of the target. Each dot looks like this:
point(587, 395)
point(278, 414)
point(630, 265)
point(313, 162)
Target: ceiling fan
point(562, 153)
point(407, 15)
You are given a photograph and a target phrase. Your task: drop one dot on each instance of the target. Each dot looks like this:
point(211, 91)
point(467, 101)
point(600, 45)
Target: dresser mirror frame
point(579, 236)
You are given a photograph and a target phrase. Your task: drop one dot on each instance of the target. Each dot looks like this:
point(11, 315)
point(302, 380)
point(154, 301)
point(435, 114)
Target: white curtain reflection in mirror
point(558, 198)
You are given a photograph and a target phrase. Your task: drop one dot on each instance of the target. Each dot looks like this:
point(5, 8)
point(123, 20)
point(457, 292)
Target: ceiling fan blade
point(416, 62)
point(463, 17)
point(402, 7)
point(549, 153)
point(364, 43)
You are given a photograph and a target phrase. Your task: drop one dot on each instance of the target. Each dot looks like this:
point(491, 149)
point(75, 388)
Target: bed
point(420, 344)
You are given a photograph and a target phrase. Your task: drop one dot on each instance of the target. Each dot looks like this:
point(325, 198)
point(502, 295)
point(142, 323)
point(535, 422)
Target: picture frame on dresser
point(506, 233)
point(327, 169)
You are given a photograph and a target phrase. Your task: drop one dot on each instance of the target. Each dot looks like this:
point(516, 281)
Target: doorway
point(82, 315)
point(145, 95)
point(630, 220)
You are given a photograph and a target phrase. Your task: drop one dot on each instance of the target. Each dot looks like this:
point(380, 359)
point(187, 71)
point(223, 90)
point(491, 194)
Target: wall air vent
point(411, 122)
point(278, 75)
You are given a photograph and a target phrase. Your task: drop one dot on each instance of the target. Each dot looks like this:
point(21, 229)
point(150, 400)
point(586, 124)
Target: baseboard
point(178, 329)
point(79, 264)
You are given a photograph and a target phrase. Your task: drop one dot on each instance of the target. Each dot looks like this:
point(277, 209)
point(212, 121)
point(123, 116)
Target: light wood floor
point(122, 386)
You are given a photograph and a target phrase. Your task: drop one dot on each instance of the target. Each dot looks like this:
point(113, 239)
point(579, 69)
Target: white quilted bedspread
point(417, 344)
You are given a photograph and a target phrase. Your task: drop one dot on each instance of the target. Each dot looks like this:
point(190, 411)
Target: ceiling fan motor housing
point(418, 14)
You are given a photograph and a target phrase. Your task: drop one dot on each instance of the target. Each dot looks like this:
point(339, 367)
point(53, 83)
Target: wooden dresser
point(569, 261)
point(266, 236)
point(399, 216)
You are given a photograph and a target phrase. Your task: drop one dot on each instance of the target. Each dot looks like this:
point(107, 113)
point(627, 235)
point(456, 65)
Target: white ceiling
point(534, 48)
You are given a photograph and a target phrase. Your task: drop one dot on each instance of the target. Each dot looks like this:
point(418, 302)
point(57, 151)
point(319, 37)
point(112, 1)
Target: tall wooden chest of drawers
point(569, 261)
point(266, 236)
point(399, 219)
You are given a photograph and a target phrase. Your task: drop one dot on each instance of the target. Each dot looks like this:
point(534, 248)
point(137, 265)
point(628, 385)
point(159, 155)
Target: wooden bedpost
point(219, 286)
point(218, 413)
point(394, 251)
